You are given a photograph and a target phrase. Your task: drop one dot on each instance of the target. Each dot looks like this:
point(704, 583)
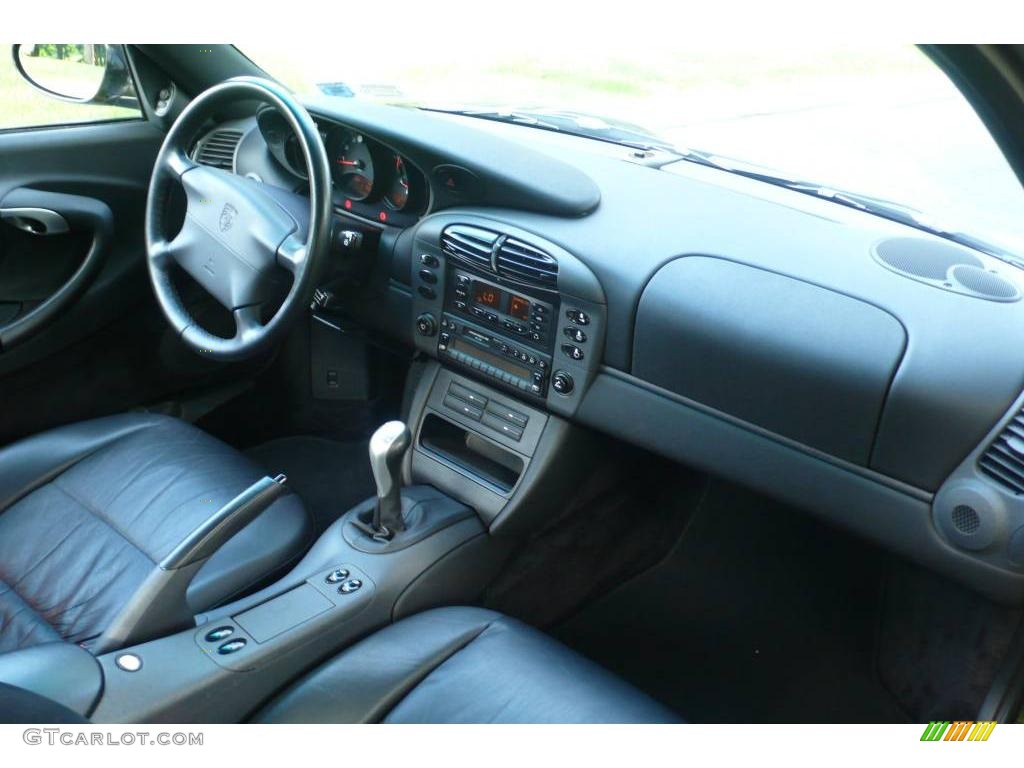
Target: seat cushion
point(461, 665)
point(88, 509)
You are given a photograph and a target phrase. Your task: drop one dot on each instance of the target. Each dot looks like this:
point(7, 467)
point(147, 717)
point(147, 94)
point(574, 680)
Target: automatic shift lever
point(387, 449)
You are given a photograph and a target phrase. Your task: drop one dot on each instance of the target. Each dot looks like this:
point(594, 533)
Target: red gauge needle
point(353, 163)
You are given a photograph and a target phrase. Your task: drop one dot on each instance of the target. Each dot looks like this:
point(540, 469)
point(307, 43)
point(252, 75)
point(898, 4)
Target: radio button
point(426, 324)
point(562, 383)
point(470, 411)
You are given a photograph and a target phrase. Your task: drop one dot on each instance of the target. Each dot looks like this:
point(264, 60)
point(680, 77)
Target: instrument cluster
point(370, 179)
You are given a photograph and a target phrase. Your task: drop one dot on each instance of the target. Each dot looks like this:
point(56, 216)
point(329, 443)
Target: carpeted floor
point(328, 475)
point(759, 614)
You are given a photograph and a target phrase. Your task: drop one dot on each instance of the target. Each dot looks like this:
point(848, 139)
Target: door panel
point(109, 348)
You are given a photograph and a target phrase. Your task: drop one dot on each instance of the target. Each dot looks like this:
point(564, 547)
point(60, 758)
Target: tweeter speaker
point(970, 514)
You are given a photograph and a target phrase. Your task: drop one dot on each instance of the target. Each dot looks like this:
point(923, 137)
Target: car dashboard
point(848, 364)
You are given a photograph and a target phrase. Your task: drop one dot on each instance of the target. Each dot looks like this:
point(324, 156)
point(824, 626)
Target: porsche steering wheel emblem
point(227, 217)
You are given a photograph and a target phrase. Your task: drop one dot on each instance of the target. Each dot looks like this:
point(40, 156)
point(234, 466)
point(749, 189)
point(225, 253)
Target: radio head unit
point(523, 318)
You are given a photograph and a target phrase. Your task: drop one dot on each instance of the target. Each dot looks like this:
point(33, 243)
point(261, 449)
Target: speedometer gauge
point(397, 195)
point(352, 164)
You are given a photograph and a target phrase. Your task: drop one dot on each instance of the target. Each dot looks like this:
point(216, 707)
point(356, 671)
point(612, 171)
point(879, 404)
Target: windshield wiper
point(888, 209)
point(500, 116)
point(572, 123)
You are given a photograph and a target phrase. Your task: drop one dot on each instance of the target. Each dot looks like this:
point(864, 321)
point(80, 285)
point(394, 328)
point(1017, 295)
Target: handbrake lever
point(160, 606)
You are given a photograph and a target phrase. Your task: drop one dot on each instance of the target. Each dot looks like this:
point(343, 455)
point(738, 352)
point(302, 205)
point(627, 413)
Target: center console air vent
point(1004, 459)
point(469, 245)
point(521, 261)
point(218, 149)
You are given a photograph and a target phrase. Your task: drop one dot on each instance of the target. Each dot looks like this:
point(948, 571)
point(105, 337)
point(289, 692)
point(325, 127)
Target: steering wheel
point(241, 239)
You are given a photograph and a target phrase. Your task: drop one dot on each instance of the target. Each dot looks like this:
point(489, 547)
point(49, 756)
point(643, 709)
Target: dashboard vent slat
point(1003, 460)
point(522, 261)
point(218, 149)
point(470, 245)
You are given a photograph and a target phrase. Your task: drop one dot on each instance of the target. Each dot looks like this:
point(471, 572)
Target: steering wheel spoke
point(248, 325)
point(178, 163)
point(292, 253)
point(163, 253)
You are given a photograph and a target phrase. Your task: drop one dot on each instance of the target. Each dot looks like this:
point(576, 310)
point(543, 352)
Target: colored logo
point(960, 730)
point(227, 217)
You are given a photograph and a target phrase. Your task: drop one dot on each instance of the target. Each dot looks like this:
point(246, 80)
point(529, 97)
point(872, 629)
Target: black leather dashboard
point(760, 309)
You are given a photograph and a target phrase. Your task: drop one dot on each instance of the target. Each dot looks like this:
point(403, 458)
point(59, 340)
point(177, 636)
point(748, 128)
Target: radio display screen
point(489, 357)
point(487, 295)
point(518, 307)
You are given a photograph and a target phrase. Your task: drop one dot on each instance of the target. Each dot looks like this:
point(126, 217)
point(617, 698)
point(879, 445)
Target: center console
point(507, 308)
point(513, 328)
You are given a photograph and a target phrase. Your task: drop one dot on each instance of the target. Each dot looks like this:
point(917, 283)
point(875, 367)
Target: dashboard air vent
point(218, 149)
point(469, 244)
point(1004, 459)
point(521, 261)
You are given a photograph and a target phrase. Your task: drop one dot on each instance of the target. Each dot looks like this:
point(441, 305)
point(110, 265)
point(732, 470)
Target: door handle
point(50, 213)
point(35, 221)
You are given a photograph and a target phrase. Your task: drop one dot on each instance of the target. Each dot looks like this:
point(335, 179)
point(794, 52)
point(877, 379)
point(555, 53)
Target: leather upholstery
point(86, 510)
point(461, 665)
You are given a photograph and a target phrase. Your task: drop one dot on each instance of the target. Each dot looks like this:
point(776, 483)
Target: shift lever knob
point(387, 450)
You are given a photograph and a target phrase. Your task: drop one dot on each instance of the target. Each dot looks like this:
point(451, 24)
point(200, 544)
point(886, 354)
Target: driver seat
point(86, 510)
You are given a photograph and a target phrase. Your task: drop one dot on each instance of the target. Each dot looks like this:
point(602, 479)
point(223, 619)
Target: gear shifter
point(387, 450)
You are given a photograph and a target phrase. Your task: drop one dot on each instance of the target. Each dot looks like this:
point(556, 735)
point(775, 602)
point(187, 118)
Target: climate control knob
point(426, 324)
point(562, 383)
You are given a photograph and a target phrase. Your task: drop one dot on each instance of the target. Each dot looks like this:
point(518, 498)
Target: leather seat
point(88, 509)
point(461, 665)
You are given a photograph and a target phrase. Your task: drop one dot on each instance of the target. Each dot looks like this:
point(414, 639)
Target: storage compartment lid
point(799, 360)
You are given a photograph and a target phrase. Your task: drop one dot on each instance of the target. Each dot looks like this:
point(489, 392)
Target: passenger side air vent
point(1004, 459)
point(469, 245)
point(521, 261)
point(218, 149)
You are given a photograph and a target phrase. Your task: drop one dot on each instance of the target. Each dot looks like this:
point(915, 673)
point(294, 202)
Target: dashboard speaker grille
point(923, 258)
point(1003, 461)
point(218, 149)
point(946, 266)
point(983, 283)
point(966, 520)
point(522, 261)
point(470, 245)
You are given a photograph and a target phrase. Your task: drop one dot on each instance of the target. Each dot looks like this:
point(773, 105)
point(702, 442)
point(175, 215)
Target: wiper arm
point(894, 211)
point(501, 116)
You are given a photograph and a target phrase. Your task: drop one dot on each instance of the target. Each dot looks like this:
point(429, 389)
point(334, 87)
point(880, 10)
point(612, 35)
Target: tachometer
point(397, 195)
point(352, 164)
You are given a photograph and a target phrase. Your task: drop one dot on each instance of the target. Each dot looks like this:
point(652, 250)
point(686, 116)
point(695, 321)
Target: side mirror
point(86, 74)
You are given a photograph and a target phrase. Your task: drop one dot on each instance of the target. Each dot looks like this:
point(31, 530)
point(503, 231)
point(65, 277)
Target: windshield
point(880, 121)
